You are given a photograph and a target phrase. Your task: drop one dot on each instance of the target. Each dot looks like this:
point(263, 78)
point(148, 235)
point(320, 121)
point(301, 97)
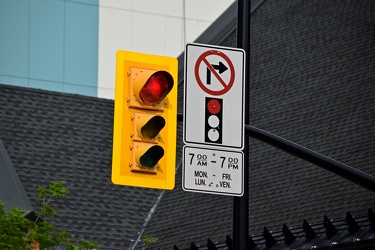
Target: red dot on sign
point(213, 106)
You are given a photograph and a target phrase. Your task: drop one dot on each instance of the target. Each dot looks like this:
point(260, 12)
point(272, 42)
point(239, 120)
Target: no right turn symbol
point(211, 72)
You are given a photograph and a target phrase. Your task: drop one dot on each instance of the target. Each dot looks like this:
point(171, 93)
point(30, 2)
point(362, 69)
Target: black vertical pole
point(241, 204)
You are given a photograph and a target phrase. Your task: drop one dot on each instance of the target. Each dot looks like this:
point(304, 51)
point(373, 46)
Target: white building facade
point(70, 45)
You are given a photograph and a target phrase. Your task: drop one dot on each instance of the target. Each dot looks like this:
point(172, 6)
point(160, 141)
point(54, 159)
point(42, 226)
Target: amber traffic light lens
point(156, 88)
point(152, 128)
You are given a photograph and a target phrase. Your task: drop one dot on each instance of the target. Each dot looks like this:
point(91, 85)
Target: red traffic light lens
point(156, 88)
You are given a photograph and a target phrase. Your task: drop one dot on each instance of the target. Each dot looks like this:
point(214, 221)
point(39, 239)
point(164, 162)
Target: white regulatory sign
point(214, 171)
point(214, 96)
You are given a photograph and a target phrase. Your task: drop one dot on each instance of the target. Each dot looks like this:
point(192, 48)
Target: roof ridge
point(45, 91)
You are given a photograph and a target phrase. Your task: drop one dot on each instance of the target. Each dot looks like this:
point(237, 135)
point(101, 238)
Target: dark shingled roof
point(312, 77)
point(55, 136)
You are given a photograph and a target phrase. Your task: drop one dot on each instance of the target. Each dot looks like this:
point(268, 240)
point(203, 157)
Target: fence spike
point(229, 242)
point(289, 237)
point(353, 225)
point(210, 245)
point(330, 228)
point(310, 233)
point(270, 240)
point(193, 246)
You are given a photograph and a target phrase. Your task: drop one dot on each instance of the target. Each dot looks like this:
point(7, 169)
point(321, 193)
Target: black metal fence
point(329, 234)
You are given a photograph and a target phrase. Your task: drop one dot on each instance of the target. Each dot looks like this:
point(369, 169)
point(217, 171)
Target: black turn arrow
point(220, 67)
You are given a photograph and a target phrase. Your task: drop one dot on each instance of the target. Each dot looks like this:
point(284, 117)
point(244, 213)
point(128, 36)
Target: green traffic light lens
point(151, 157)
point(152, 128)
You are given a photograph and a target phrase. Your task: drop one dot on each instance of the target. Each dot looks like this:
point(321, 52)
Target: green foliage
point(55, 189)
point(12, 226)
point(147, 240)
point(84, 245)
point(17, 232)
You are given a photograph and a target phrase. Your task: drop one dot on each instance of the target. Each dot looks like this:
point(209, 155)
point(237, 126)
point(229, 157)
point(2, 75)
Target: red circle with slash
point(226, 86)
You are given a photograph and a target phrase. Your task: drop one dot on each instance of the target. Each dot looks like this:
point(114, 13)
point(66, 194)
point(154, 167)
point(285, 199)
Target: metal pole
point(354, 175)
point(241, 204)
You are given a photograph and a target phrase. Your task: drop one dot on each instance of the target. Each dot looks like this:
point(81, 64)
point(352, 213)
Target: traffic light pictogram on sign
point(214, 120)
point(145, 120)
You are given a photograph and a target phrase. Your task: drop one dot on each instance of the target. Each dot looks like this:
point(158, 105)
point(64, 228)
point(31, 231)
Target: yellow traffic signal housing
point(145, 120)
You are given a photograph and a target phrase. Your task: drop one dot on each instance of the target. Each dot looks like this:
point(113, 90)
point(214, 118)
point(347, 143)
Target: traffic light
point(145, 120)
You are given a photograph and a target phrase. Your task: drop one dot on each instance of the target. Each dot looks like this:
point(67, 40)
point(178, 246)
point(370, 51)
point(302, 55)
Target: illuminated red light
point(156, 88)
